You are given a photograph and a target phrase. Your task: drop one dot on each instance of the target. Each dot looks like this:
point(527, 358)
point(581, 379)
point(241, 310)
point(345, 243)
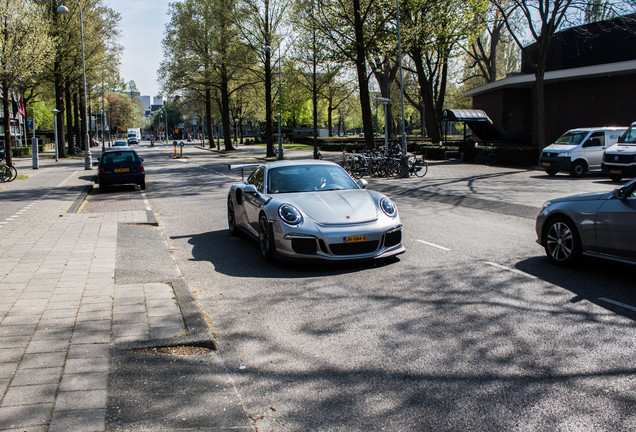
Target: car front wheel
point(577, 169)
point(231, 217)
point(561, 241)
point(265, 238)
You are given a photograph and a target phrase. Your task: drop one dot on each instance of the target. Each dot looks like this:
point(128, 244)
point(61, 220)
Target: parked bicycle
point(486, 156)
point(8, 172)
point(417, 167)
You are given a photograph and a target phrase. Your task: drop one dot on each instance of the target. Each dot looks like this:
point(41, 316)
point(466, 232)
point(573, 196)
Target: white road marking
point(519, 272)
point(623, 305)
point(433, 245)
point(143, 194)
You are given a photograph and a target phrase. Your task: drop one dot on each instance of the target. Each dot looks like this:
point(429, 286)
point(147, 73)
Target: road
point(471, 329)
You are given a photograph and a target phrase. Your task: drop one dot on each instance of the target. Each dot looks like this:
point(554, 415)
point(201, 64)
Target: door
point(616, 225)
point(253, 202)
point(593, 149)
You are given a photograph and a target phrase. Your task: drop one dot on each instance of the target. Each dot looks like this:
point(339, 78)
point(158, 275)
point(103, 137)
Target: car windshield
point(308, 178)
point(573, 138)
point(629, 137)
point(120, 144)
point(119, 157)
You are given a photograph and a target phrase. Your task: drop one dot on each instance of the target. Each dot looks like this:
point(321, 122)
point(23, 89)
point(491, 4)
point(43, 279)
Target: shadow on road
point(239, 256)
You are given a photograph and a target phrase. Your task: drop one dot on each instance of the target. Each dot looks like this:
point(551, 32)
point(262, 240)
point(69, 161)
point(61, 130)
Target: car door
point(616, 225)
point(253, 202)
point(593, 148)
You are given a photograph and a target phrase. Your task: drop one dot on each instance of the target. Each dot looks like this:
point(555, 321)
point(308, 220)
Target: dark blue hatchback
point(119, 166)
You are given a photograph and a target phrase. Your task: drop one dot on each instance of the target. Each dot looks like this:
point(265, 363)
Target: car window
point(120, 157)
point(596, 139)
point(573, 138)
point(257, 178)
point(308, 178)
point(629, 137)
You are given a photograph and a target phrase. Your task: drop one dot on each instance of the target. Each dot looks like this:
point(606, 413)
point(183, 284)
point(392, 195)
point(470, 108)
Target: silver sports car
point(601, 225)
point(313, 210)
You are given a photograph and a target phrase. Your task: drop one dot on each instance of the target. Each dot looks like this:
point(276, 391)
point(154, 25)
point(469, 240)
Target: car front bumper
point(622, 170)
point(555, 163)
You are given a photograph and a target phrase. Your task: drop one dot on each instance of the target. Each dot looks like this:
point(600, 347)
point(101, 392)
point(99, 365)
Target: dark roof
point(603, 42)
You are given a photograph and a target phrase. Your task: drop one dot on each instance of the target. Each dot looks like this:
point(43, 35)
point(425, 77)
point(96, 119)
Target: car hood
point(584, 197)
point(559, 148)
point(622, 148)
point(336, 207)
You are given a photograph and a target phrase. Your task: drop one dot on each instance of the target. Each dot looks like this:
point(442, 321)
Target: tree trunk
point(74, 130)
point(269, 138)
point(225, 110)
point(82, 127)
point(59, 105)
point(208, 116)
point(426, 94)
point(69, 116)
point(363, 81)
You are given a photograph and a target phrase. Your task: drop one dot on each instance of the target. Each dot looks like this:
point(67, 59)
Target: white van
point(579, 150)
point(619, 160)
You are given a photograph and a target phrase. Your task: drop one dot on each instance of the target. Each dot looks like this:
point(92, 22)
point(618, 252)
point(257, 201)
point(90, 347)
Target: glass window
point(597, 139)
point(629, 137)
point(257, 178)
point(573, 138)
point(308, 178)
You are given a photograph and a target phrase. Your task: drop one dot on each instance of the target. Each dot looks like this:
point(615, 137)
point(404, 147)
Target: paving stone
point(28, 377)
point(11, 355)
point(31, 418)
point(42, 360)
point(47, 345)
point(86, 365)
point(52, 333)
point(31, 394)
point(83, 337)
point(81, 420)
point(164, 311)
point(81, 400)
point(88, 350)
point(84, 381)
point(93, 325)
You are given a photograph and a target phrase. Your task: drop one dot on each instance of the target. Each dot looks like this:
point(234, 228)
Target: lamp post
point(63, 10)
point(55, 113)
point(385, 102)
point(397, 5)
point(166, 111)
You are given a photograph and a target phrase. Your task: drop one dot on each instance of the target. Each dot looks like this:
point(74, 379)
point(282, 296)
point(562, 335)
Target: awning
point(478, 122)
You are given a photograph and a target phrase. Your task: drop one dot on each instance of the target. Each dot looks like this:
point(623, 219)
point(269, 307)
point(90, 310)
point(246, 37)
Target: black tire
point(231, 217)
point(561, 241)
point(551, 173)
point(102, 188)
point(616, 178)
point(142, 184)
point(491, 159)
point(481, 157)
point(578, 169)
point(265, 238)
point(421, 168)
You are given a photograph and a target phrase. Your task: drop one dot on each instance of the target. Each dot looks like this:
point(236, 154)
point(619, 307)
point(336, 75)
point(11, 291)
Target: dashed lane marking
point(614, 302)
point(519, 272)
point(433, 245)
point(23, 210)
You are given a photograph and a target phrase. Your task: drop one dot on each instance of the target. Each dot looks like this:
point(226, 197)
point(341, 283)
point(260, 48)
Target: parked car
point(120, 143)
point(120, 166)
point(601, 225)
point(579, 150)
point(313, 210)
point(619, 160)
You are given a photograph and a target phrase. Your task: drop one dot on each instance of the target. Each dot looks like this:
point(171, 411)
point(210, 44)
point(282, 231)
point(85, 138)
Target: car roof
point(119, 149)
point(305, 162)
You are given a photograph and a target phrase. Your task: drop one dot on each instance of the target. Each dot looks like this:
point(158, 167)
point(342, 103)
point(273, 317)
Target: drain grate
point(180, 350)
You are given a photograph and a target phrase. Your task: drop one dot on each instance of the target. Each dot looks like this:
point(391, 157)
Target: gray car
point(313, 210)
point(601, 225)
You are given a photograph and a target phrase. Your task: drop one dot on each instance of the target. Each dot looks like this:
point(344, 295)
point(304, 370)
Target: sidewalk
point(74, 344)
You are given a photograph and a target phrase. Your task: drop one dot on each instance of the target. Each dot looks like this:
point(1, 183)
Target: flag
point(21, 109)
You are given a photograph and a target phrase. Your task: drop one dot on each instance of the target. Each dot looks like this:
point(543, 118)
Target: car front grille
point(393, 238)
point(353, 248)
point(305, 246)
point(618, 158)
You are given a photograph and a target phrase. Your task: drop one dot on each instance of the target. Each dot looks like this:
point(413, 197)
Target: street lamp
point(385, 102)
point(397, 5)
point(55, 113)
point(63, 10)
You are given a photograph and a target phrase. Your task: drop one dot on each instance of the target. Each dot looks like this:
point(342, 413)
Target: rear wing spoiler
point(243, 167)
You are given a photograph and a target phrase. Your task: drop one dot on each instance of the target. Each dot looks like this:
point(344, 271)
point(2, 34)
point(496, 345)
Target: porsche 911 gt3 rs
point(313, 210)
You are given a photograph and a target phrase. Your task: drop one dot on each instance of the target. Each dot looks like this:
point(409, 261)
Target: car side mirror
point(620, 193)
point(250, 189)
point(363, 183)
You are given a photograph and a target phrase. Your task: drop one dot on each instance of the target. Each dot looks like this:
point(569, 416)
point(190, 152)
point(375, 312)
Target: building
point(590, 81)
point(145, 102)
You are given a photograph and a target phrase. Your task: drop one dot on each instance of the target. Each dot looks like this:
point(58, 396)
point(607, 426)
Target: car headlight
point(565, 154)
point(289, 214)
point(388, 207)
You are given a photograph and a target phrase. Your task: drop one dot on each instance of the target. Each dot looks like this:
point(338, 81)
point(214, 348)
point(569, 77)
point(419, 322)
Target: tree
point(24, 48)
point(352, 27)
point(265, 19)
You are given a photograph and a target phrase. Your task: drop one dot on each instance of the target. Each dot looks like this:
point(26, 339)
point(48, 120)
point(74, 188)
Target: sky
point(141, 31)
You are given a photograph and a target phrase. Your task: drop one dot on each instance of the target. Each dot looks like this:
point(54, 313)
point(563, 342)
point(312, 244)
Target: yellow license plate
point(616, 172)
point(352, 239)
point(122, 169)
point(546, 164)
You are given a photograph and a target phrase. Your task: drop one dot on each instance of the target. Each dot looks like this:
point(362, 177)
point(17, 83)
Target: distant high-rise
point(145, 101)
point(157, 100)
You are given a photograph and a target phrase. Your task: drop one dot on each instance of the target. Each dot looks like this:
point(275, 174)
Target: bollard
point(181, 148)
point(175, 149)
point(35, 153)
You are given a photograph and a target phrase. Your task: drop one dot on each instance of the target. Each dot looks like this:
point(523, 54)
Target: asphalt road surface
point(471, 329)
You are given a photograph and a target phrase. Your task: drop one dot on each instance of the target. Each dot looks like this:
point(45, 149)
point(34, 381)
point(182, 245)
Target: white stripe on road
point(433, 245)
point(146, 202)
point(519, 272)
point(623, 305)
